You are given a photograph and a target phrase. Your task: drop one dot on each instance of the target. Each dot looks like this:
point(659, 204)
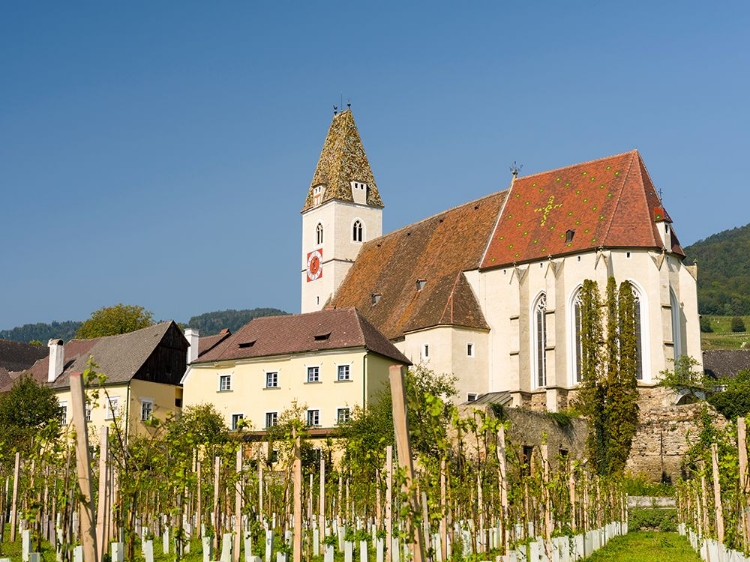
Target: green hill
point(213, 322)
point(41, 332)
point(723, 272)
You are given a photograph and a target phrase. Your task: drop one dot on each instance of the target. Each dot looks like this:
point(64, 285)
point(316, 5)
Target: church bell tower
point(342, 211)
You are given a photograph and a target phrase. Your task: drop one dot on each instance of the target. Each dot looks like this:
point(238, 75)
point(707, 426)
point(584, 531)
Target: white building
point(488, 290)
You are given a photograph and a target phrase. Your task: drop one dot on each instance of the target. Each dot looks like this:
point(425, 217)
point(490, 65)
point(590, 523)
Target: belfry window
point(357, 231)
point(540, 341)
point(319, 234)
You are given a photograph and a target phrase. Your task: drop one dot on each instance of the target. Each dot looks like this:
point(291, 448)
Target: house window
point(63, 413)
point(540, 341)
point(88, 412)
point(357, 231)
point(425, 351)
point(319, 234)
point(470, 350)
point(344, 373)
point(317, 194)
point(343, 415)
point(272, 419)
point(237, 421)
point(147, 409)
point(313, 374)
point(225, 383)
point(112, 407)
point(272, 379)
point(471, 397)
point(313, 418)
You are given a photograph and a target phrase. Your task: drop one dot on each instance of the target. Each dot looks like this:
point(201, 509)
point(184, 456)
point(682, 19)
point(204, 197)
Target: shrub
point(737, 324)
point(639, 485)
point(652, 519)
point(705, 323)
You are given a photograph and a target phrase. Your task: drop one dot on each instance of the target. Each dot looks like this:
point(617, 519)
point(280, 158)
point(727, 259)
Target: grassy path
point(647, 546)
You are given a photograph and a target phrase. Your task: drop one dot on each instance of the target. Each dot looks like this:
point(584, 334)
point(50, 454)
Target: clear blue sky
point(159, 153)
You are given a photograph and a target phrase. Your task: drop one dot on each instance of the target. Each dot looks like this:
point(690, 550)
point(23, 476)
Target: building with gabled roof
point(143, 370)
point(489, 290)
point(327, 361)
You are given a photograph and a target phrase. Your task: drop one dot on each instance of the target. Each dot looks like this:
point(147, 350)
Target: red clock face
point(314, 265)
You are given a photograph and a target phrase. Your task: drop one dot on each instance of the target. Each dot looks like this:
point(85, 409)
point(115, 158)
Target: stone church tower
point(342, 211)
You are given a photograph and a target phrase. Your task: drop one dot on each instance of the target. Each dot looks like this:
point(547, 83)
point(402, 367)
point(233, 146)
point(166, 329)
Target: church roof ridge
point(579, 164)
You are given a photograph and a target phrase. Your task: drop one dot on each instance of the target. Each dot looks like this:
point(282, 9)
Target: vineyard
point(452, 489)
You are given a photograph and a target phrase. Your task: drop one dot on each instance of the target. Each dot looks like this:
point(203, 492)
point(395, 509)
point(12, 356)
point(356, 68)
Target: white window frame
point(312, 415)
point(469, 396)
point(309, 372)
point(276, 381)
point(63, 412)
point(227, 377)
point(112, 405)
point(339, 411)
point(275, 417)
point(89, 408)
point(348, 368)
point(319, 233)
point(236, 418)
point(574, 346)
point(539, 344)
point(150, 402)
point(425, 351)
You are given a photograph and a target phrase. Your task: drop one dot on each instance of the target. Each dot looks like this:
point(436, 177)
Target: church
point(490, 290)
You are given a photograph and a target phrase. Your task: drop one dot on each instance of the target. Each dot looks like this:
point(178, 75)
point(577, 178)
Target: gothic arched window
point(638, 335)
point(577, 343)
point(357, 231)
point(676, 325)
point(540, 341)
point(319, 234)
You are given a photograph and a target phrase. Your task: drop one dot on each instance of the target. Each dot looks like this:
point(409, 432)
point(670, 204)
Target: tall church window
point(638, 335)
point(577, 342)
point(676, 325)
point(357, 231)
point(540, 341)
point(319, 234)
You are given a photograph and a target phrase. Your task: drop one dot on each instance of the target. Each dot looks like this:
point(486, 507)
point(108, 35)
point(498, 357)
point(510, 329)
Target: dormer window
point(421, 283)
point(359, 192)
point(322, 337)
point(375, 297)
point(317, 195)
point(247, 344)
point(569, 236)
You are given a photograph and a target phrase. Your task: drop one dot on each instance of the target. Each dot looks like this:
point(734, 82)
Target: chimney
point(192, 336)
point(56, 359)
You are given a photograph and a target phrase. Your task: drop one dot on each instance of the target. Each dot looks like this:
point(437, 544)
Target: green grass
point(722, 336)
point(647, 546)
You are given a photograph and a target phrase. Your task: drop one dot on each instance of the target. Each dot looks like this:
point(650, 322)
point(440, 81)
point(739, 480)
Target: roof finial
point(335, 110)
point(515, 168)
point(349, 103)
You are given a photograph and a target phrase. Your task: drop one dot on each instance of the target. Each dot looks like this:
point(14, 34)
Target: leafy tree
point(609, 390)
point(735, 400)
point(41, 332)
point(114, 320)
point(738, 325)
point(705, 324)
point(686, 377)
point(25, 410)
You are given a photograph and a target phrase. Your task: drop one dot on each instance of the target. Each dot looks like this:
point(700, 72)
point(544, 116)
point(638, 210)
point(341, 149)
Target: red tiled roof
point(298, 333)
point(207, 343)
point(609, 202)
point(436, 250)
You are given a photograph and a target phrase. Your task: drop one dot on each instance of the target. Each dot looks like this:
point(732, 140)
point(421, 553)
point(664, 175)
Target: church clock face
point(314, 265)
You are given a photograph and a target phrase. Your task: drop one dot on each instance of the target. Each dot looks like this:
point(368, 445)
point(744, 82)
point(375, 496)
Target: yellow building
point(142, 368)
point(327, 361)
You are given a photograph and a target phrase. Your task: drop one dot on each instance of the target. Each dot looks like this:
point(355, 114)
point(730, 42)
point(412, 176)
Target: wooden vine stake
point(238, 508)
point(546, 503)
point(322, 503)
point(216, 522)
point(403, 445)
point(102, 511)
point(744, 479)
point(717, 493)
point(503, 483)
point(389, 502)
point(83, 468)
point(199, 507)
point(14, 504)
point(297, 540)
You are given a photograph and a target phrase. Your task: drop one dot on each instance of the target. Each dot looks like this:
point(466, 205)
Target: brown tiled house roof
point(157, 353)
point(207, 343)
point(299, 333)
point(342, 161)
point(725, 363)
point(17, 356)
point(436, 251)
point(609, 203)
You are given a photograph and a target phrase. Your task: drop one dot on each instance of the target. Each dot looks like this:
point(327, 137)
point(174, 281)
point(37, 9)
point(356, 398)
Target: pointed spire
point(342, 161)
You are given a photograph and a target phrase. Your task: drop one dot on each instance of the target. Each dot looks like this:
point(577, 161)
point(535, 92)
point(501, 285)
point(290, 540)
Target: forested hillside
point(213, 322)
point(41, 332)
point(723, 272)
